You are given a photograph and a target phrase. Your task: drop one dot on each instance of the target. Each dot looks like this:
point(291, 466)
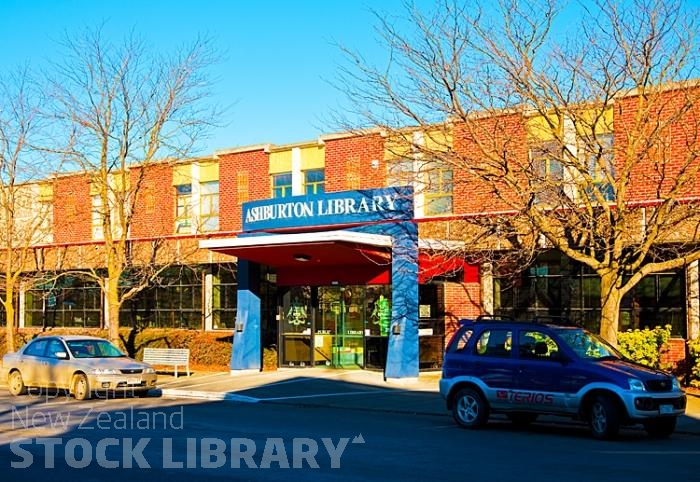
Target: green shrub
point(644, 346)
point(694, 352)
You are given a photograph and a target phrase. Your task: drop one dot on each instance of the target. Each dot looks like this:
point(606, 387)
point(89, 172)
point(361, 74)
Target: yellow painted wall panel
point(281, 161)
point(313, 157)
point(208, 171)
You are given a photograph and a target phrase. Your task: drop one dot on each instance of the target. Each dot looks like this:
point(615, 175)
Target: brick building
point(337, 250)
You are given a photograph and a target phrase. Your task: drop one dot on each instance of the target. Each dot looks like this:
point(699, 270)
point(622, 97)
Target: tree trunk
point(611, 299)
point(9, 315)
point(113, 309)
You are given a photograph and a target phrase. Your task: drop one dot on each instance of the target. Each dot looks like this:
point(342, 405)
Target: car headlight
point(636, 385)
point(105, 371)
point(148, 370)
point(675, 384)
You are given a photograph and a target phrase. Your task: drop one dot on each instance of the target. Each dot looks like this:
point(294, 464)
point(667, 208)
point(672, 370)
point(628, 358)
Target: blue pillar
point(246, 350)
point(402, 360)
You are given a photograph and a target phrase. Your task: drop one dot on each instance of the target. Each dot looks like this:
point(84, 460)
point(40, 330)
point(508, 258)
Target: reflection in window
point(209, 206)
point(438, 188)
point(282, 185)
point(314, 181)
point(183, 212)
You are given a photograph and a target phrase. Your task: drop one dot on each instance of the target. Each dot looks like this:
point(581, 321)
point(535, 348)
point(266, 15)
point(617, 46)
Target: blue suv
point(527, 368)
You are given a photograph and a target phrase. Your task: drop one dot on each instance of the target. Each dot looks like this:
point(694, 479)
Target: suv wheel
point(469, 409)
point(660, 427)
point(604, 418)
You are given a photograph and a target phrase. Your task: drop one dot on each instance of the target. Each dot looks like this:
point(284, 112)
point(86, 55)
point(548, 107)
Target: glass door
point(340, 329)
point(296, 327)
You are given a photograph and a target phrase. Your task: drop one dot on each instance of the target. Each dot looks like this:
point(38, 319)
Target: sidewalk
point(348, 389)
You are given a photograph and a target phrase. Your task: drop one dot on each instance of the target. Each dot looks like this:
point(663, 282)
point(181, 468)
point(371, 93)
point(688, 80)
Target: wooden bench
point(174, 357)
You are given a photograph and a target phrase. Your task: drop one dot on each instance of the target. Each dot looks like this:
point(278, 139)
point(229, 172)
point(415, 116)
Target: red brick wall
point(673, 143)
point(675, 351)
point(154, 212)
point(349, 163)
point(500, 134)
point(72, 219)
point(251, 168)
point(462, 300)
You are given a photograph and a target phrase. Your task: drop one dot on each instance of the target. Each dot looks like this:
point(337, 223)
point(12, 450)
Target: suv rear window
point(497, 343)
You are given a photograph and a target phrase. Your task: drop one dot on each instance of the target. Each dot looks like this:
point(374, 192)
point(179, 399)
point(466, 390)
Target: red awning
point(432, 265)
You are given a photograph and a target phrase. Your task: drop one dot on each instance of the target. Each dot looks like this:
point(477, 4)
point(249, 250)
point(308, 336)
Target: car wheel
point(16, 384)
point(604, 418)
point(80, 387)
point(522, 419)
point(660, 427)
point(469, 409)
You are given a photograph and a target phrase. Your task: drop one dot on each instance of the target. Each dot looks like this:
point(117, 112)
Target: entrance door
point(340, 326)
point(296, 328)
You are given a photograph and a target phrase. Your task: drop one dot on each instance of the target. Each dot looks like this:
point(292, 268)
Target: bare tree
point(581, 130)
point(25, 202)
point(126, 109)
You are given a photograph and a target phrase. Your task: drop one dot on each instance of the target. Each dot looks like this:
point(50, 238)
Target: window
point(55, 346)
point(496, 343)
point(400, 172)
point(601, 166)
point(183, 212)
point(314, 181)
point(536, 345)
point(282, 185)
point(209, 206)
point(37, 348)
point(66, 302)
point(438, 189)
point(548, 173)
point(556, 286)
point(225, 292)
point(174, 302)
point(97, 217)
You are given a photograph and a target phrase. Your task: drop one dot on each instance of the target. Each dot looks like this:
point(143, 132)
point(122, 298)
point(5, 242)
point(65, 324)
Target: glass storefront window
point(557, 287)
point(176, 302)
point(66, 302)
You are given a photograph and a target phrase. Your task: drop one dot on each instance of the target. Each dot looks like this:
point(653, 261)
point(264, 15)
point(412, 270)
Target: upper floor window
point(548, 173)
point(438, 189)
point(400, 172)
point(600, 163)
point(282, 185)
point(209, 206)
point(97, 217)
point(183, 210)
point(314, 181)
point(546, 163)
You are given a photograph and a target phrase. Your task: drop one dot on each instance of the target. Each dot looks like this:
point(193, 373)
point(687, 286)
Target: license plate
point(137, 381)
point(665, 409)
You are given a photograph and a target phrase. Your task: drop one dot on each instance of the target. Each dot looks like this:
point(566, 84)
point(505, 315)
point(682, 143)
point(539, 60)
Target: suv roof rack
point(487, 317)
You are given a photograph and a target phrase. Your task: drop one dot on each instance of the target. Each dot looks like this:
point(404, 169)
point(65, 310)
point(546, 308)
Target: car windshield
point(587, 345)
point(93, 349)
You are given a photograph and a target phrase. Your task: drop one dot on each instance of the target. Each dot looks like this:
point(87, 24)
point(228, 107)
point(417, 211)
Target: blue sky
point(277, 55)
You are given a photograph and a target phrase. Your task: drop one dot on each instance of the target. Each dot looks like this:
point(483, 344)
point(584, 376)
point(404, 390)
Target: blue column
point(402, 360)
point(246, 350)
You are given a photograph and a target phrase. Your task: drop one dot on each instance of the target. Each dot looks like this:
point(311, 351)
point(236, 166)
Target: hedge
point(208, 350)
point(694, 352)
point(645, 346)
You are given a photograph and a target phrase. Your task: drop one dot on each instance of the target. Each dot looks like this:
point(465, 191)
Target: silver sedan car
point(82, 365)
